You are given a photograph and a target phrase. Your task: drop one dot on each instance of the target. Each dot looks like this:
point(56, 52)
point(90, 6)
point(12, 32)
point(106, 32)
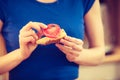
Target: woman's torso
point(46, 62)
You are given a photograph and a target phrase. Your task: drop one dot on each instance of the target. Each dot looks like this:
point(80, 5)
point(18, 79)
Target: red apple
point(52, 31)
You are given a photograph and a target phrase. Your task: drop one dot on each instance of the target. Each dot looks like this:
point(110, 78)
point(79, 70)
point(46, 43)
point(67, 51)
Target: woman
point(27, 60)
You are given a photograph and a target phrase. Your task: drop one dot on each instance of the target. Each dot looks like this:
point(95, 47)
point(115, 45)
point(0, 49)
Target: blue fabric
point(87, 5)
point(2, 11)
point(46, 62)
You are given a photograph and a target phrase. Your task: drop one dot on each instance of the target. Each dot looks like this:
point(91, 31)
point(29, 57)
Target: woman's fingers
point(74, 40)
point(67, 50)
point(70, 57)
point(34, 25)
point(43, 26)
point(27, 39)
point(30, 26)
point(71, 47)
point(71, 44)
point(74, 43)
point(29, 33)
point(30, 30)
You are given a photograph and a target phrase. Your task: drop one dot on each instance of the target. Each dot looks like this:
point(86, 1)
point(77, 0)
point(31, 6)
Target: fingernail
point(45, 25)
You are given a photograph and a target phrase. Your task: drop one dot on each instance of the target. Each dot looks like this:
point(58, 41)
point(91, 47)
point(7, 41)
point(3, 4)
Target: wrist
point(21, 55)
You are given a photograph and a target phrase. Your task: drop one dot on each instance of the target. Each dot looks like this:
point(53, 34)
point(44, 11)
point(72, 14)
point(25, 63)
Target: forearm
point(95, 34)
point(112, 58)
point(2, 46)
point(92, 56)
point(3, 51)
point(10, 61)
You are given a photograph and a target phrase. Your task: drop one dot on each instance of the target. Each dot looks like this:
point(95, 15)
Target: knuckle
point(73, 46)
point(20, 31)
point(32, 31)
point(30, 22)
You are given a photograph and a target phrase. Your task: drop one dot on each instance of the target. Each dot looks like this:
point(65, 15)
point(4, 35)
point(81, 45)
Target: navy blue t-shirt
point(46, 62)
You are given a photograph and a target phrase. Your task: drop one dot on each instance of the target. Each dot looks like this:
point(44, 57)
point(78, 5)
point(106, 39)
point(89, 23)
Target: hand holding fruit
point(28, 37)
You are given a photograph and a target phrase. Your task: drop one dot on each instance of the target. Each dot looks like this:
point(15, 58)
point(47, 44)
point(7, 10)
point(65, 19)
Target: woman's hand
point(28, 37)
point(71, 47)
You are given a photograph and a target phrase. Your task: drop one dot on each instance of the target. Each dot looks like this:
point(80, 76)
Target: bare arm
point(73, 47)
point(114, 57)
point(2, 50)
point(2, 42)
point(10, 61)
point(95, 34)
point(27, 41)
point(114, 21)
point(6, 60)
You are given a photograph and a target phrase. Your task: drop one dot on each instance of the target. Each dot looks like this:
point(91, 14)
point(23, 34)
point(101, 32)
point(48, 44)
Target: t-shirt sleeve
point(87, 5)
point(2, 11)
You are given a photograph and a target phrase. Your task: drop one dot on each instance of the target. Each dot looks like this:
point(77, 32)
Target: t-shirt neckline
point(56, 2)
